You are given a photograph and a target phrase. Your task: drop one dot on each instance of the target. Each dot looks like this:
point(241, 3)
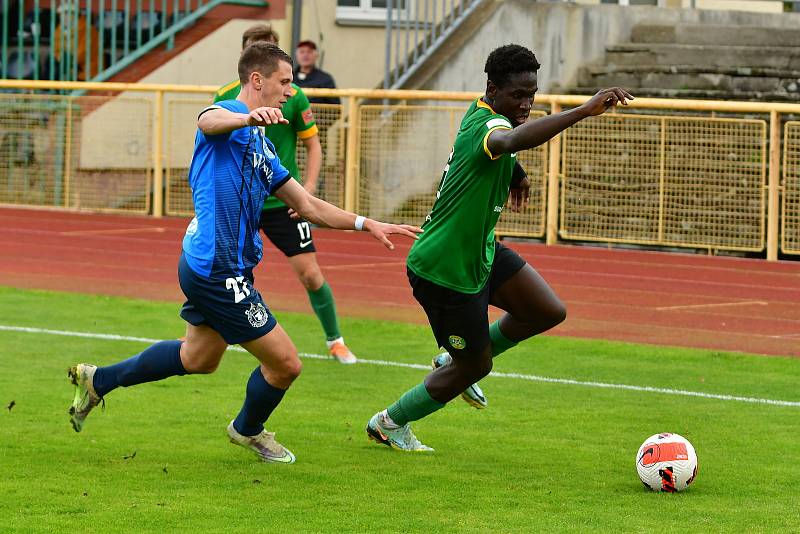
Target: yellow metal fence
point(61, 151)
point(666, 180)
point(403, 150)
point(671, 172)
point(790, 234)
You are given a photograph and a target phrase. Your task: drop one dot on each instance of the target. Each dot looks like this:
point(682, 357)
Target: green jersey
point(456, 250)
point(297, 111)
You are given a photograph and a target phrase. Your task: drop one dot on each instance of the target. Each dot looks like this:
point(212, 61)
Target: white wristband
point(360, 222)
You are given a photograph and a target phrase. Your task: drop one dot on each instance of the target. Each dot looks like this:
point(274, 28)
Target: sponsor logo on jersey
point(457, 342)
point(308, 116)
point(260, 162)
point(261, 159)
point(265, 148)
point(498, 209)
point(257, 315)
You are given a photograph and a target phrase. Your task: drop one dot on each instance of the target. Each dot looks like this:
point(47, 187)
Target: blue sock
point(261, 399)
point(156, 362)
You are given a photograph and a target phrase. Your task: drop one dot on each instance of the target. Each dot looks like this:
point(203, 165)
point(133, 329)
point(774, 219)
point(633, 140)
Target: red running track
point(646, 297)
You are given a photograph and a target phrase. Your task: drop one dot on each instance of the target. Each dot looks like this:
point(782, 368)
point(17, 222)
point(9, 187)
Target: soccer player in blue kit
point(234, 167)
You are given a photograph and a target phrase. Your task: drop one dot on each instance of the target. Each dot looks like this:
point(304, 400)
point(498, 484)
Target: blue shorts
point(231, 306)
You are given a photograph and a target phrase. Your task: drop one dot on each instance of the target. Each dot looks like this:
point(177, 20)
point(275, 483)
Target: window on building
point(367, 12)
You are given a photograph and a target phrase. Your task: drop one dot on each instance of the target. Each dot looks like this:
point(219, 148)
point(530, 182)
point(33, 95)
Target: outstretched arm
point(539, 131)
point(321, 213)
point(217, 120)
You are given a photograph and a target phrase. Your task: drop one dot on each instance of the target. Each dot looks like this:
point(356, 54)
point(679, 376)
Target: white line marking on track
point(715, 305)
point(361, 265)
point(786, 336)
point(146, 229)
point(518, 376)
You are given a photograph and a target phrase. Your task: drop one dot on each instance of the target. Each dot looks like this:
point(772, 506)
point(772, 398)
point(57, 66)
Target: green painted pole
point(20, 49)
point(114, 25)
point(127, 31)
point(87, 71)
point(101, 37)
point(36, 39)
point(4, 63)
point(51, 54)
point(138, 23)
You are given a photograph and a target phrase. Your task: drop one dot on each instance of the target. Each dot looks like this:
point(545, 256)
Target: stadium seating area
point(38, 44)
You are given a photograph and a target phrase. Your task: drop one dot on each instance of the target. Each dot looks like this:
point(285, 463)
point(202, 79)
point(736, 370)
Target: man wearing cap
point(306, 73)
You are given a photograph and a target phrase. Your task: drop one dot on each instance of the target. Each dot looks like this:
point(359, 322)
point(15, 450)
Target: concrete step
point(706, 34)
point(700, 94)
point(689, 77)
point(692, 69)
point(782, 57)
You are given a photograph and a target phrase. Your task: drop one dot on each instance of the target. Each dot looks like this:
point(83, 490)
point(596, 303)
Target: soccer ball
point(666, 462)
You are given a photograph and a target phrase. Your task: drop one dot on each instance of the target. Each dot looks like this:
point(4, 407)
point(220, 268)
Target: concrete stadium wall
point(211, 61)
point(354, 55)
point(566, 36)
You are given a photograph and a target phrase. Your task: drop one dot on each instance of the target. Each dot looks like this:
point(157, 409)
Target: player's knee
point(311, 278)
point(293, 369)
point(199, 362)
point(558, 313)
point(477, 369)
point(483, 368)
point(544, 317)
point(203, 367)
point(289, 369)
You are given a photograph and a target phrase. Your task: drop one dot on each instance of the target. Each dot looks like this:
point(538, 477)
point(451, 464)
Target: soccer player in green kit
point(456, 268)
point(290, 234)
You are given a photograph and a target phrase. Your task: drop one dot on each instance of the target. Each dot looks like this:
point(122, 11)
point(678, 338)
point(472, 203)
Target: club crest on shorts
point(257, 315)
point(457, 342)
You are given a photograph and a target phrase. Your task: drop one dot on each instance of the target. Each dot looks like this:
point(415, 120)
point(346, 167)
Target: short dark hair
point(261, 57)
point(507, 60)
point(259, 33)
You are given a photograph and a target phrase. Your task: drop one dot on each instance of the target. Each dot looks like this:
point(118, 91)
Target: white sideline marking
point(716, 305)
point(785, 336)
point(532, 378)
point(147, 229)
point(362, 265)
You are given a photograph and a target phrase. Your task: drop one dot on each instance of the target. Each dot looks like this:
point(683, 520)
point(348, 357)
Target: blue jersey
point(230, 176)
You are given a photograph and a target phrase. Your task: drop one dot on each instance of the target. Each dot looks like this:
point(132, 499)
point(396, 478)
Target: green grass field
point(543, 457)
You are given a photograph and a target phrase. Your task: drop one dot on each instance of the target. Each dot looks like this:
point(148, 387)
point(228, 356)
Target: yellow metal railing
point(687, 173)
point(400, 152)
point(790, 234)
point(665, 180)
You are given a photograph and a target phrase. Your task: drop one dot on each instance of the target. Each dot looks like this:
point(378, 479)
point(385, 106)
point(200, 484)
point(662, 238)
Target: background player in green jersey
point(456, 288)
point(289, 233)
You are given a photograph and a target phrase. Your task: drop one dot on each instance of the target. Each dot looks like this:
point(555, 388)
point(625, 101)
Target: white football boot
point(473, 395)
point(263, 444)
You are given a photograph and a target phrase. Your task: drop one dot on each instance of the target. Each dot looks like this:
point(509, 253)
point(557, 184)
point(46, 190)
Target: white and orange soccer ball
point(666, 462)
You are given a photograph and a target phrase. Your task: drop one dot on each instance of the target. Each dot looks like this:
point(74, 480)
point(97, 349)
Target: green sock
point(415, 404)
point(500, 343)
point(325, 308)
